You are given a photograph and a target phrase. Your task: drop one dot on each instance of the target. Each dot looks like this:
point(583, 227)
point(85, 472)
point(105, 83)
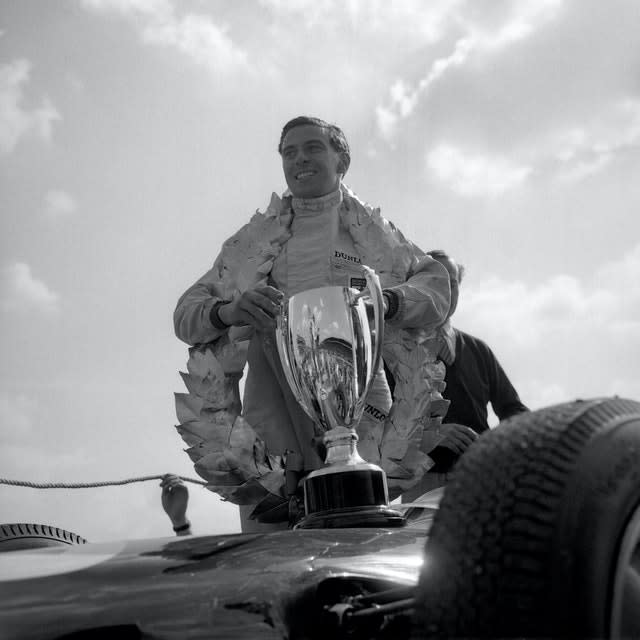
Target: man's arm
point(423, 300)
point(192, 315)
point(503, 396)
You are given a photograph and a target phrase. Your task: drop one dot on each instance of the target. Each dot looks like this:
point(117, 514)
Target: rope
point(85, 485)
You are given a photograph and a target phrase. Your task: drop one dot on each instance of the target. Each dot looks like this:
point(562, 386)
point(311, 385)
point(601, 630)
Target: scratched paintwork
point(233, 586)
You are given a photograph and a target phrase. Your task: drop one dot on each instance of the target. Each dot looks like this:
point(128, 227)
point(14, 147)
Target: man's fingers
point(464, 440)
point(275, 295)
point(258, 310)
point(266, 300)
point(258, 318)
point(170, 482)
point(459, 439)
point(460, 432)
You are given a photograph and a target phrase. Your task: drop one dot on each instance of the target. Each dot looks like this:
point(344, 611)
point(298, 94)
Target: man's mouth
point(304, 175)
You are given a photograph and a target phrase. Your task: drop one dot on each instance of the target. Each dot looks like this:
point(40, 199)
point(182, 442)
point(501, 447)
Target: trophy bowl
point(330, 343)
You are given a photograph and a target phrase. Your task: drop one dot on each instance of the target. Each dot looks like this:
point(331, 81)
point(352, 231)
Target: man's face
point(311, 166)
point(452, 268)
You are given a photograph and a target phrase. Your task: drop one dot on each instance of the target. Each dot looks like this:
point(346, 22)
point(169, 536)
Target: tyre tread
point(514, 527)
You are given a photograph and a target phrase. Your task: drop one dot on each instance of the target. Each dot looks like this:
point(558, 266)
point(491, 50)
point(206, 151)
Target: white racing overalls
point(320, 251)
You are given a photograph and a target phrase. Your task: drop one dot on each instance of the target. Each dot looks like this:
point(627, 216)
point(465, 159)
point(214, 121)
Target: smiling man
point(314, 160)
point(318, 234)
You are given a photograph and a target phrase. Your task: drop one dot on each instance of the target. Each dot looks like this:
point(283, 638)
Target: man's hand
point(258, 308)
point(455, 441)
point(175, 498)
point(457, 437)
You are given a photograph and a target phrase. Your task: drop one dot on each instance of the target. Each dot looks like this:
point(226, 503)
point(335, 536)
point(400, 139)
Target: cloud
point(130, 7)
point(528, 315)
point(472, 174)
point(560, 337)
point(412, 22)
point(16, 121)
point(483, 33)
point(19, 290)
point(551, 83)
point(195, 35)
point(571, 154)
point(58, 204)
point(403, 99)
point(585, 150)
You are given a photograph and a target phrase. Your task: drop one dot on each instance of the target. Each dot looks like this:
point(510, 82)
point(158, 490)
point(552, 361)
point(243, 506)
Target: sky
point(137, 135)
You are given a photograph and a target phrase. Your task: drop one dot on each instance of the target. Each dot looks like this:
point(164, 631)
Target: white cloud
point(520, 20)
point(416, 20)
point(472, 174)
point(58, 204)
point(587, 149)
point(526, 315)
point(312, 12)
point(17, 121)
point(561, 338)
point(19, 290)
point(482, 34)
point(200, 39)
point(127, 7)
point(404, 100)
point(195, 35)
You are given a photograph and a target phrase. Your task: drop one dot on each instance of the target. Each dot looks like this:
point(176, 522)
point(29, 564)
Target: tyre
point(538, 532)
point(32, 536)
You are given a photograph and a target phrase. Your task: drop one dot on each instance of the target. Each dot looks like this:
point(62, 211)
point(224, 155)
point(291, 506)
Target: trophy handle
point(376, 324)
point(282, 337)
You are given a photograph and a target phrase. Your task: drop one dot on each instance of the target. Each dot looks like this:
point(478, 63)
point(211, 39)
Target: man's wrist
point(391, 298)
point(185, 526)
point(214, 315)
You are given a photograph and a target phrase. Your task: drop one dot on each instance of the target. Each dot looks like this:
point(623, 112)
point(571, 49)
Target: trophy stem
point(341, 445)
point(347, 491)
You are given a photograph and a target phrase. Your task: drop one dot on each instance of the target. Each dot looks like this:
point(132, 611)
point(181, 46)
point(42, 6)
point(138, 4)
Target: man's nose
point(301, 157)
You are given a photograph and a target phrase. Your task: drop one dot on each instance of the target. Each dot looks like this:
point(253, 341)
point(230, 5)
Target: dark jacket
point(474, 380)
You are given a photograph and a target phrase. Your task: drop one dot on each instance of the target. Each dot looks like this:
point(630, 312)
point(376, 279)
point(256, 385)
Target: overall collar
point(317, 205)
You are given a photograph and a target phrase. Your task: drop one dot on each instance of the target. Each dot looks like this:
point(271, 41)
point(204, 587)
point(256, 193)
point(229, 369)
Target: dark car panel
point(235, 586)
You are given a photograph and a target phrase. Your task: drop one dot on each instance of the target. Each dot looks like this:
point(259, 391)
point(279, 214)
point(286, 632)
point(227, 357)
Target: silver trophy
point(330, 344)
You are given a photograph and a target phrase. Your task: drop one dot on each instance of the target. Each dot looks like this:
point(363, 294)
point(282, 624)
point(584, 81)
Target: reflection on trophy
point(330, 343)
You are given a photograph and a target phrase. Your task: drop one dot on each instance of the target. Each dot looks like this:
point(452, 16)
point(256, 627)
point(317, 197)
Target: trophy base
point(351, 496)
point(380, 516)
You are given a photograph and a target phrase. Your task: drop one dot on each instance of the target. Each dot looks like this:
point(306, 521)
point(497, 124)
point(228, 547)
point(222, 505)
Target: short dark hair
point(441, 254)
point(336, 136)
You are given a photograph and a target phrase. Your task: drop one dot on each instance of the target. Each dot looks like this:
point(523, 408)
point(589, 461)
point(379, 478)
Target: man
point(474, 379)
point(474, 376)
point(318, 234)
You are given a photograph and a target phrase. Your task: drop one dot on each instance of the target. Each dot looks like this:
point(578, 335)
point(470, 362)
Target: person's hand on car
point(457, 437)
point(455, 440)
point(175, 498)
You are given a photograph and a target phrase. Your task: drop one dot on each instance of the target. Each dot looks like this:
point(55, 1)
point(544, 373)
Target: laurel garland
point(225, 449)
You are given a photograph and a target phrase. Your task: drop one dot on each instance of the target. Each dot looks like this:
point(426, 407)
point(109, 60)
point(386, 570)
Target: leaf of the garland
point(273, 508)
point(188, 407)
point(202, 431)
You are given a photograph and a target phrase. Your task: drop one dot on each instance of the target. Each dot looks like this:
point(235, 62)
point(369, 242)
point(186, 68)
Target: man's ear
point(343, 165)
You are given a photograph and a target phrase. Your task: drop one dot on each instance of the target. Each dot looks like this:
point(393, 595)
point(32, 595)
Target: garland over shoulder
point(225, 449)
